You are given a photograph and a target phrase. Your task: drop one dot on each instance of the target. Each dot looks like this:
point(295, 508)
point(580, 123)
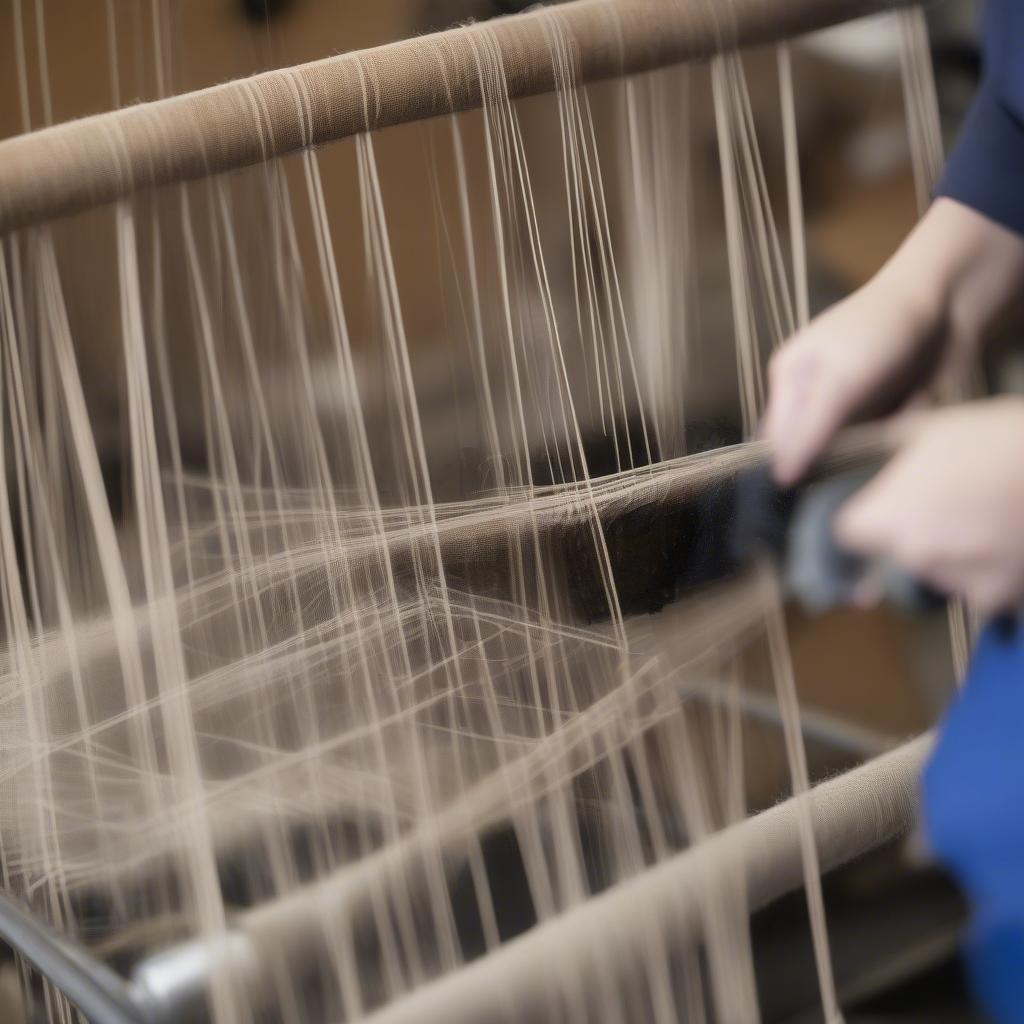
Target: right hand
point(925, 311)
point(865, 356)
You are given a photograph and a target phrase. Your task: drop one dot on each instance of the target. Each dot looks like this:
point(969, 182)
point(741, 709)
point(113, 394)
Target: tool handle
point(821, 575)
point(864, 446)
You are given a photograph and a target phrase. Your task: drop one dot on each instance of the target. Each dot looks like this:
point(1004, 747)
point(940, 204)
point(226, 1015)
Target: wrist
point(922, 297)
point(958, 271)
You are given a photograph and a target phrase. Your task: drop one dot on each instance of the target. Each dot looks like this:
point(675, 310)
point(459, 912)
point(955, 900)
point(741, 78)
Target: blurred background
point(894, 931)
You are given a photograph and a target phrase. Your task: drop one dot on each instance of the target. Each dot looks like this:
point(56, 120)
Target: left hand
point(949, 506)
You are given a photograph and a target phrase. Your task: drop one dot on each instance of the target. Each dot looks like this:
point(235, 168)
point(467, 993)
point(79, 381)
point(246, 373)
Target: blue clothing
point(973, 803)
point(973, 797)
point(986, 168)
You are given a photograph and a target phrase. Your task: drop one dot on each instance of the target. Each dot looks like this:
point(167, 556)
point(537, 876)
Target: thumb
point(863, 524)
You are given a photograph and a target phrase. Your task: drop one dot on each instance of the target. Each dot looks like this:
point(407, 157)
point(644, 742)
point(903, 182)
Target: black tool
point(794, 525)
point(668, 548)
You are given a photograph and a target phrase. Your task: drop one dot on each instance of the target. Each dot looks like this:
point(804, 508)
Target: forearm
point(959, 269)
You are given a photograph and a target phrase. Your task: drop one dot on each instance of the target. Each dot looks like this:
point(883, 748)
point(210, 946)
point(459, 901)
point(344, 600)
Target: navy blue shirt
point(986, 168)
point(973, 795)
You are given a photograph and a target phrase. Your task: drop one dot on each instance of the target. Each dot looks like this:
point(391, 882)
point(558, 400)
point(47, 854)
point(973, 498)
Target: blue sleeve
point(986, 168)
point(972, 801)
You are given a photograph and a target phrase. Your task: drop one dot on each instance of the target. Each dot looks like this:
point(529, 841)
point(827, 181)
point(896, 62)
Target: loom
point(281, 648)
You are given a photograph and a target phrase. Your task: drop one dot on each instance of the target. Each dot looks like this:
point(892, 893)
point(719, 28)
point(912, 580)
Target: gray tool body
point(795, 526)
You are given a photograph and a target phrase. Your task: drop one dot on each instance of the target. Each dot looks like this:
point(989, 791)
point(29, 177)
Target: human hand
point(861, 357)
point(923, 314)
point(949, 506)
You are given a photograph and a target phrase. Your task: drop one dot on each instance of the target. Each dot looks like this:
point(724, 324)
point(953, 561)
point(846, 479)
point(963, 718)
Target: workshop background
point(894, 928)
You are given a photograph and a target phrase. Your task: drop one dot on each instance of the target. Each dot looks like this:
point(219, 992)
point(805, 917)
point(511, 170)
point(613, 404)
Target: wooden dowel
point(98, 159)
point(851, 815)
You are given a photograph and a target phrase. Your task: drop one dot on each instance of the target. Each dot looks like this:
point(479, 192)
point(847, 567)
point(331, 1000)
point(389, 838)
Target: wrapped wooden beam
point(99, 159)
point(851, 814)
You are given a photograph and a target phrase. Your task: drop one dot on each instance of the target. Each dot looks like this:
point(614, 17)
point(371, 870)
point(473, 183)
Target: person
point(949, 505)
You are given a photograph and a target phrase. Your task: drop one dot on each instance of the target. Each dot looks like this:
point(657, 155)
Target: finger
point(917, 403)
point(990, 594)
point(779, 393)
point(815, 411)
point(993, 587)
point(778, 413)
point(905, 425)
point(944, 578)
point(867, 524)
